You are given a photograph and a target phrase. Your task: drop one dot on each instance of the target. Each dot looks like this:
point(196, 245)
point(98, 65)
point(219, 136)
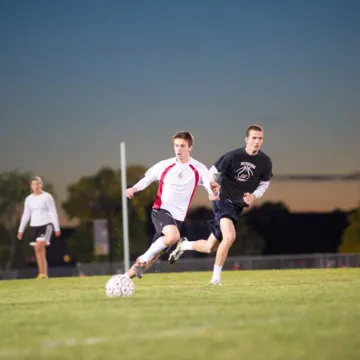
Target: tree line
point(98, 196)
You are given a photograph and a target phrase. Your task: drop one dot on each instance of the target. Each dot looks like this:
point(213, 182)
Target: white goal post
point(124, 207)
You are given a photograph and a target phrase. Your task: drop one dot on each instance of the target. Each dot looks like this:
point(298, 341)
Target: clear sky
point(77, 77)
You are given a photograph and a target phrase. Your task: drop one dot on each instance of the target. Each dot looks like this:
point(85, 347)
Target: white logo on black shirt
point(245, 172)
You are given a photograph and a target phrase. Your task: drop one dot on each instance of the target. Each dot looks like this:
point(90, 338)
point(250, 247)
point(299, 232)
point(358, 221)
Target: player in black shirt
point(245, 175)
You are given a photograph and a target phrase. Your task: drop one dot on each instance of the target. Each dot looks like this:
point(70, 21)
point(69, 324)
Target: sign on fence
point(101, 237)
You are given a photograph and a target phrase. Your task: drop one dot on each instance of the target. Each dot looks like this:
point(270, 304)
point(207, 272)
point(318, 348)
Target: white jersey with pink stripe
point(177, 184)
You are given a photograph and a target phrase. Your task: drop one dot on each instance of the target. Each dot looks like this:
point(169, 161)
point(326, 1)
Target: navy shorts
point(223, 209)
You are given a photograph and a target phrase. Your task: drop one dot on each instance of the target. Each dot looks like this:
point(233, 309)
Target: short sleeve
point(205, 177)
point(222, 163)
point(267, 174)
point(154, 172)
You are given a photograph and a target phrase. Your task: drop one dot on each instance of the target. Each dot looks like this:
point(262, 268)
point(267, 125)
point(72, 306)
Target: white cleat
point(216, 282)
point(175, 255)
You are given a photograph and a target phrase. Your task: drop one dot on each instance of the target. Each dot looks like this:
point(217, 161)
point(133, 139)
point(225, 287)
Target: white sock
point(217, 272)
point(186, 245)
point(153, 250)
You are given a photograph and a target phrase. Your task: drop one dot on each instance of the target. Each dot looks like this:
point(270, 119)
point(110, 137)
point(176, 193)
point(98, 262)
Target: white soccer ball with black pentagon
point(119, 285)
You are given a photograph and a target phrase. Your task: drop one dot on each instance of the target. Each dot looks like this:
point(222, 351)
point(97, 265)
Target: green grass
point(301, 314)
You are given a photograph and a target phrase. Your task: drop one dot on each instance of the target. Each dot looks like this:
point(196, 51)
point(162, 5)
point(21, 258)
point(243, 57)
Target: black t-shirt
point(241, 173)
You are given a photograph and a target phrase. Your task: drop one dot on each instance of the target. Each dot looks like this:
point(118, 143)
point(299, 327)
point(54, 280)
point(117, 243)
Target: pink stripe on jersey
point(158, 201)
point(197, 177)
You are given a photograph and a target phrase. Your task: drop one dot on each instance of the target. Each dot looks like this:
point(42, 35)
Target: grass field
point(300, 314)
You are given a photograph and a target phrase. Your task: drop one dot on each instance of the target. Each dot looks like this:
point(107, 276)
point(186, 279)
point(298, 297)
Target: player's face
point(254, 141)
point(35, 186)
point(182, 149)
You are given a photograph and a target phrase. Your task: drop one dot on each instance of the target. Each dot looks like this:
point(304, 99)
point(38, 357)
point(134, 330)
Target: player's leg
point(208, 246)
point(226, 215)
point(43, 240)
point(131, 273)
point(40, 254)
point(170, 236)
point(228, 238)
point(38, 241)
point(37, 251)
point(203, 246)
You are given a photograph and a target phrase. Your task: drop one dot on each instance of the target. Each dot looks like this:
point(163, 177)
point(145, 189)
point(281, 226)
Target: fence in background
point(202, 264)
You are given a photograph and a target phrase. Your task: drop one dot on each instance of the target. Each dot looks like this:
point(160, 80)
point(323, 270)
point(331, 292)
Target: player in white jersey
point(178, 179)
point(40, 209)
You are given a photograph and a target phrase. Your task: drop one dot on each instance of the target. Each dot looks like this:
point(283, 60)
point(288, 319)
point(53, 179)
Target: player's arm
point(258, 193)
point(53, 215)
point(262, 187)
point(214, 173)
point(219, 166)
point(206, 180)
point(24, 218)
point(150, 176)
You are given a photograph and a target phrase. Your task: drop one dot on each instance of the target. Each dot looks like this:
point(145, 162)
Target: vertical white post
point(124, 207)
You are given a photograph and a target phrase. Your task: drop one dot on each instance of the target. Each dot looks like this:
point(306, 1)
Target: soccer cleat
point(175, 255)
point(216, 282)
point(140, 269)
point(41, 276)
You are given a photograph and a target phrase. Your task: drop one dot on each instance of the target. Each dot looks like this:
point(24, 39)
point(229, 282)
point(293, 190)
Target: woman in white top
point(40, 209)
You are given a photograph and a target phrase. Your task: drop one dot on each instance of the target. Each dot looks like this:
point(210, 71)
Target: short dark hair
point(184, 135)
point(253, 127)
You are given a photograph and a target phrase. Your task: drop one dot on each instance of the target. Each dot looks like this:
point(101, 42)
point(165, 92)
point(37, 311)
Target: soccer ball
point(119, 285)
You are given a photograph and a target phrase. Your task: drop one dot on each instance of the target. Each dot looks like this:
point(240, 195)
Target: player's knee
point(171, 236)
point(229, 238)
point(210, 249)
point(39, 247)
point(174, 237)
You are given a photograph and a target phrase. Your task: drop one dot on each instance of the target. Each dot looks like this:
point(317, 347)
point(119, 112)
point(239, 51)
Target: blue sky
point(78, 77)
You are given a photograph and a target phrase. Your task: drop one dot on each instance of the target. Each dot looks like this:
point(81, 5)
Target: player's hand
point(130, 192)
point(215, 187)
point(19, 235)
point(57, 233)
point(213, 197)
point(249, 198)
